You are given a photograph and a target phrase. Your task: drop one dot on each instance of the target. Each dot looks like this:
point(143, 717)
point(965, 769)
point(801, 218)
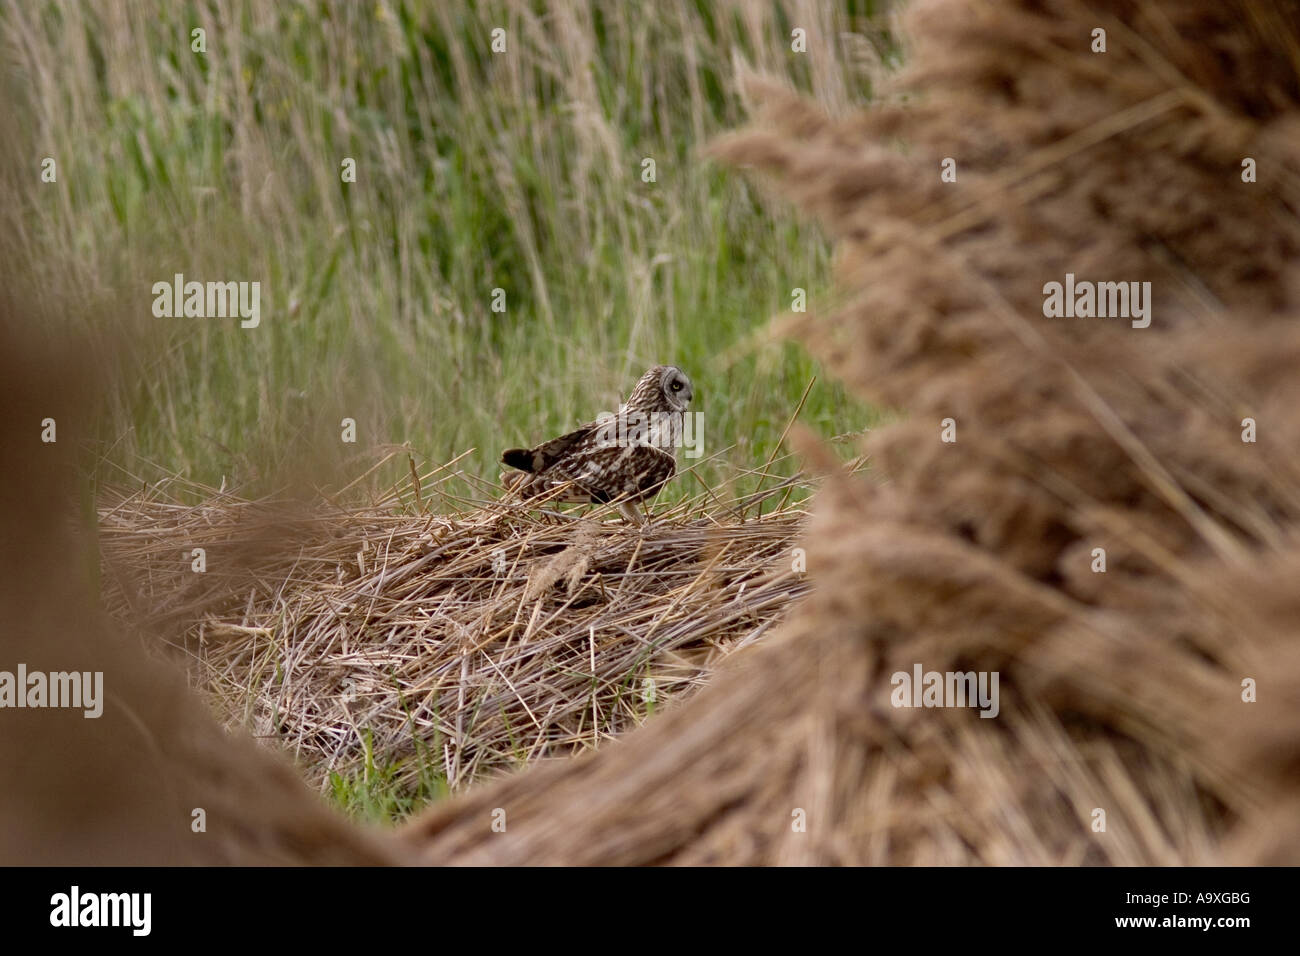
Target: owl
point(622, 459)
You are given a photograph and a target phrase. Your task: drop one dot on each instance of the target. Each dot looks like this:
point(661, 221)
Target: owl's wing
point(630, 472)
point(545, 455)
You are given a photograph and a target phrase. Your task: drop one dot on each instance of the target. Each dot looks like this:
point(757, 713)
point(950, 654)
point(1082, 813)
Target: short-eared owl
point(623, 458)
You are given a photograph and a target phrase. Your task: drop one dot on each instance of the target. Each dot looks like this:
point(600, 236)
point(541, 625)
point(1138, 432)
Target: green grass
point(519, 171)
point(376, 795)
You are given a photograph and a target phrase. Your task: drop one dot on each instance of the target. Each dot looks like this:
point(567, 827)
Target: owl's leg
point(628, 510)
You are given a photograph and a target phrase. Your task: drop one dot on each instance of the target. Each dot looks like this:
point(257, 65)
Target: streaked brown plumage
point(624, 458)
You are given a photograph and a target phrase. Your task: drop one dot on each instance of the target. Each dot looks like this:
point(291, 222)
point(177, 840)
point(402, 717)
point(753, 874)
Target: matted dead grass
point(461, 645)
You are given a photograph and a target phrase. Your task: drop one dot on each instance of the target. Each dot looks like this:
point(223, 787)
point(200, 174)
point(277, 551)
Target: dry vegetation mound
point(443, 646)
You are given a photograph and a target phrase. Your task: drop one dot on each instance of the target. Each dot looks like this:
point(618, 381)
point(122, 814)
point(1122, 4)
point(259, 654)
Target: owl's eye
point(677, 386)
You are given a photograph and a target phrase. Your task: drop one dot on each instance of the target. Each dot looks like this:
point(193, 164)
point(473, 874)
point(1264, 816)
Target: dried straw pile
point(457, 646)
point(1120, 691)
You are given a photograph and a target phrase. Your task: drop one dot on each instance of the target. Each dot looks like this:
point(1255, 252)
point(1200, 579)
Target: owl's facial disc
point(676, 388)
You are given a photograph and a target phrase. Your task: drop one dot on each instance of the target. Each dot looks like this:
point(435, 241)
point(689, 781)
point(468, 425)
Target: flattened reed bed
point(460, 644)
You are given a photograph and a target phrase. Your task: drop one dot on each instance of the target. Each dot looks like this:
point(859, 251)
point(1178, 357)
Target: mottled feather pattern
point(626, 457)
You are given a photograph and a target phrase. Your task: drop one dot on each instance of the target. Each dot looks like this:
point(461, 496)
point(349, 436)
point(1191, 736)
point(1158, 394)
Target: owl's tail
point(521, 458)
point(522, 483)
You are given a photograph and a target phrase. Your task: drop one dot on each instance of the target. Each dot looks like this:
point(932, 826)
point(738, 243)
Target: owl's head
point(662, 388)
